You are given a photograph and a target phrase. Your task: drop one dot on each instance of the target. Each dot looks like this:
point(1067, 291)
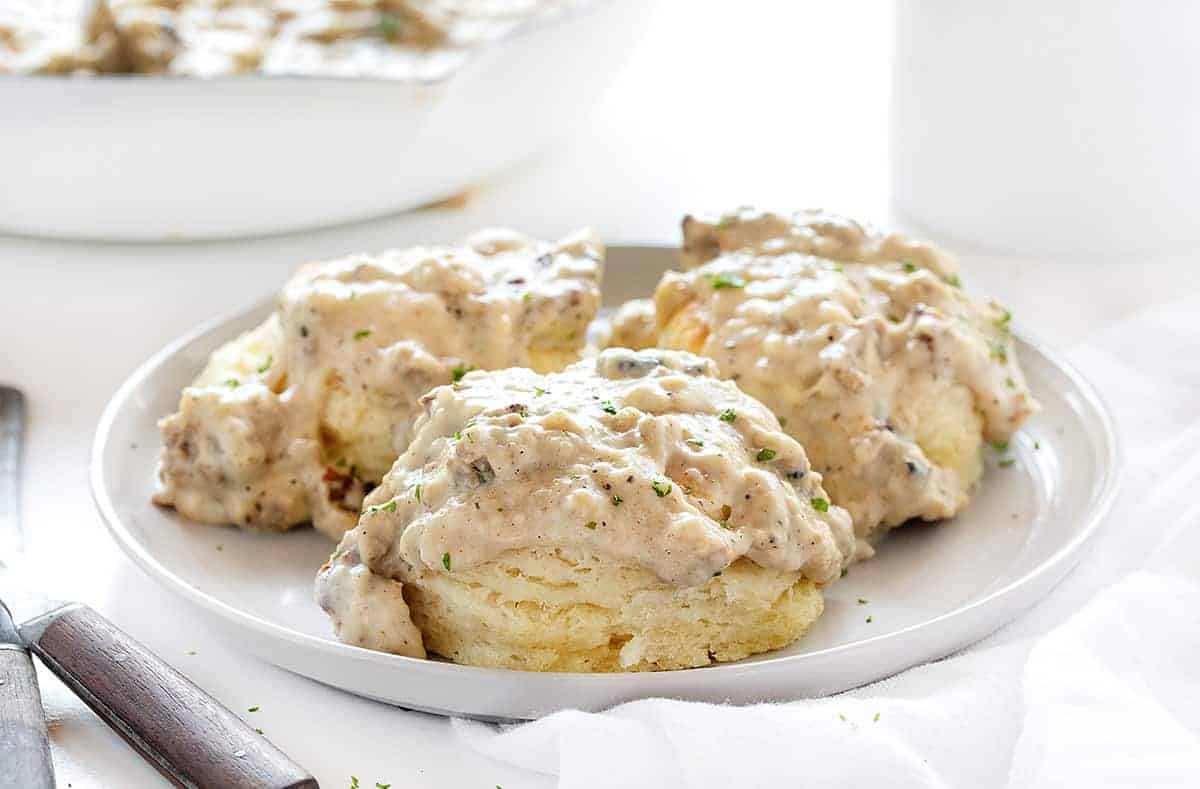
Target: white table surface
point(778, 106)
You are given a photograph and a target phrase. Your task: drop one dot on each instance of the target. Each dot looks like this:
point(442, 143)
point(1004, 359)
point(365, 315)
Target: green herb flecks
point(388, 507)
point(1006, 462)
point(1000, 446)
point(446, 561)
point(389, 26)
point(954, 280)
point(232, 383)
point(870, 619)
point(590, 525)
point(694, 442)
point(538, 391)
point(616, 500)
point(362, 334)
point(820, 505)
point(255, 708)
point(728, 415)
point(417, 491)
point(461, 370)
point(266, 365)
point(607, 407)
point(764, 455)
point(661, 488)
point(909, 267)
point(862, 601)
point(722, 281)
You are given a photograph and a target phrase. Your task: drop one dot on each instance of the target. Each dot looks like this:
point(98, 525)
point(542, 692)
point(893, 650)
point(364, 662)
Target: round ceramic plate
point(932, 589)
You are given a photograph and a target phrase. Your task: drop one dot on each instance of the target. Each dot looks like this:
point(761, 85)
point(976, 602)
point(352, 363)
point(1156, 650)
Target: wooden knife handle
point(188, 735)
point(24, 744)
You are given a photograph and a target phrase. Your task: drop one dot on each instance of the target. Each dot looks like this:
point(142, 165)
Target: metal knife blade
point(12, 421)
point(17, 586)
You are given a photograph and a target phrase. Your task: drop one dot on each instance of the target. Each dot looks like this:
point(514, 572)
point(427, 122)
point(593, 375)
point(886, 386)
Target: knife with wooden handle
point(24, 741)
point(193, 740)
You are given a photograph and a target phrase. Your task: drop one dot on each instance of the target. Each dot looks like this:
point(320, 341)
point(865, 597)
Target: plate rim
point(1101, 505)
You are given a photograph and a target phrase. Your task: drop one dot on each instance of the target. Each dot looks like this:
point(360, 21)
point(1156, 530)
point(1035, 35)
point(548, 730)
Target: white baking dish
point(158, 158)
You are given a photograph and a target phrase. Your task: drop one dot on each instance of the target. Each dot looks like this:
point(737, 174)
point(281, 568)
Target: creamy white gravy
point(300, 418)
point(640, 456)
point(846, 334)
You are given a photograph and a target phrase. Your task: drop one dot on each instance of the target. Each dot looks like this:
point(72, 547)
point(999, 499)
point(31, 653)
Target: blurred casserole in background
point(399, 39)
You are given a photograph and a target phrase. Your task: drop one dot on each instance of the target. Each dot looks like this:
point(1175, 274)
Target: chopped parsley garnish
point(661, 488)
point(765, 455)
point(258, 730)
point(362, 333)
point(728, 415)
point(820, 505)
point(909, 267)
point(616, 500)
point(446, 561)
point(695, 442)
point(382, 786)
point(538, 391)
point(845, 572)
point(528, 297)
point(389, 507)
point(458, 435)
point(876, 718)
point(389, 25)
point(590, 525)
point(417, 490)
point(1006, 462)
point(721, 281)
point(1037, 444)
point(607, 407)
point(232, 383)
point(341, 463)
point(1000, 446)
point(354, 782)
point(862, 601)
point(870, 619)
point(842, 715)
point(1010, 383)
point(955, 281)
point(255, 708)
point(1000, 353)
point(461, 370)
point(782, 421)
point(267, 364)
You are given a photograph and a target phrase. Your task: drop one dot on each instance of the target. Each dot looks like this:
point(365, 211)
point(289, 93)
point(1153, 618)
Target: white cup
point(1050, 126)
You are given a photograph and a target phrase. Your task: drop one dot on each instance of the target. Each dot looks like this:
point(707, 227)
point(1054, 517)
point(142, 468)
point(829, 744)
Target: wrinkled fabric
point(1097, 686)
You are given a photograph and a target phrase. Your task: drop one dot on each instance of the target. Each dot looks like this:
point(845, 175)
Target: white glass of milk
point(1061, 126)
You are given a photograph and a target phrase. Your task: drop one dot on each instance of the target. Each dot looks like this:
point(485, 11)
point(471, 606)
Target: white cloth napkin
point(1097, 686)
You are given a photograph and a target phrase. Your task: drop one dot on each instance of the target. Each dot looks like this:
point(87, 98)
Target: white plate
point(147, 158)
point(932, 589)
